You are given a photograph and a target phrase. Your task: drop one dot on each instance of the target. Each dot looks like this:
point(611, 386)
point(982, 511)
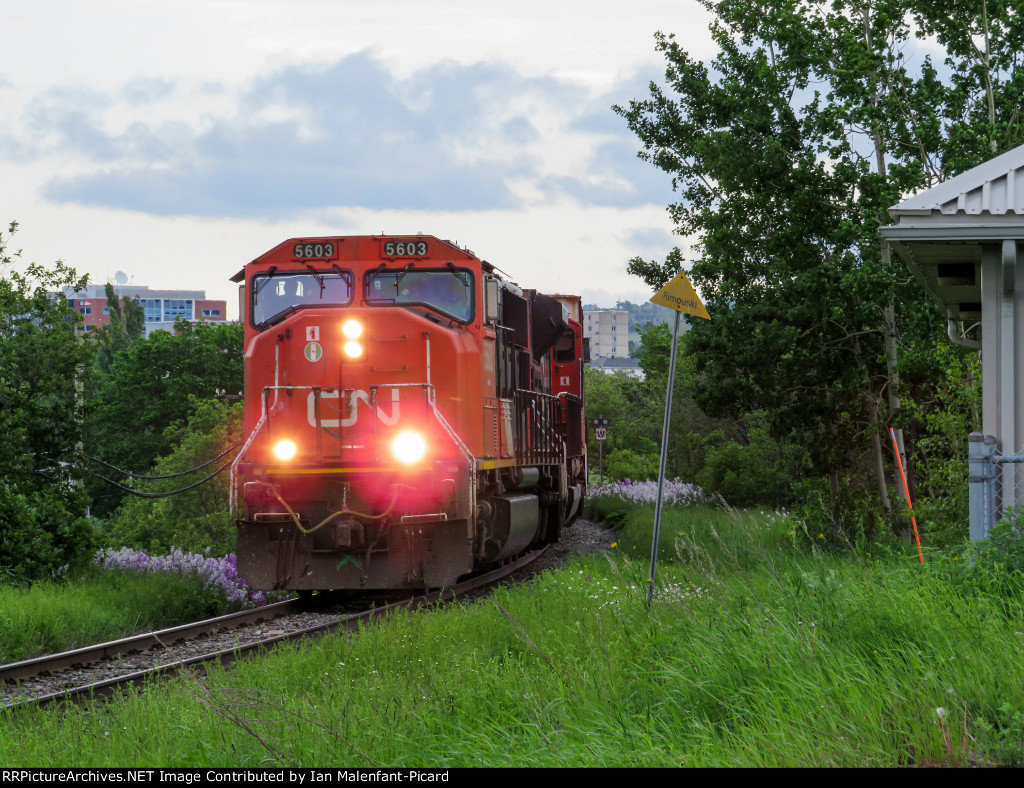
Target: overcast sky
point(177, 141)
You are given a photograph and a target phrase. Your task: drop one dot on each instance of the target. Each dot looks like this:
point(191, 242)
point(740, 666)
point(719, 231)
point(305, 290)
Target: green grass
point(95, 607)
point(757, 652)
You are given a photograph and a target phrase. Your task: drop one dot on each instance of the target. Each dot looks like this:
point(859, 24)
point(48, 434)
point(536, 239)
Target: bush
point(629, 464)
point(850, 520)
point(40, 537)
point(195, 520)
point(758, 471)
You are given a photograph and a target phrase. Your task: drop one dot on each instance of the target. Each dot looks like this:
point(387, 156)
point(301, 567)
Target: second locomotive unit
point(410, 415)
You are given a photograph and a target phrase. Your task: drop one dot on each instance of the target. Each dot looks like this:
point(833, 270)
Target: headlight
point(285, 450)
point(352, 329)
point(409, 447)
point(353, 349)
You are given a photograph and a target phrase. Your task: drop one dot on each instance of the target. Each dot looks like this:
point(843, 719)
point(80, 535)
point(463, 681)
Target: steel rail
point(114, 648)
point(109, 687)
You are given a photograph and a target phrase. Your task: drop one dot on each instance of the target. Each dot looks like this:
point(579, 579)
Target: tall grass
point(756, 652)
point(95, 607)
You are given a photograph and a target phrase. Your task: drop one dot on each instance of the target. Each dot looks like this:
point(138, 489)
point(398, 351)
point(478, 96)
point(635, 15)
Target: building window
point(151, 307)
point(85, 310)
point(177, 308)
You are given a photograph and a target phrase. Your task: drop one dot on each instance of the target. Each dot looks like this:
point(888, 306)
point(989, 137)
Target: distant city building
point(630, 366)
point(608, 333)
point(162, 307)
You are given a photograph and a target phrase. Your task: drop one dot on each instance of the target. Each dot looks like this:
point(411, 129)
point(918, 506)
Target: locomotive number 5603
point(405, 248)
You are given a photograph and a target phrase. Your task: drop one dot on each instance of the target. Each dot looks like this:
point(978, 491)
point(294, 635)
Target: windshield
point(448, 291)
point(275, 294)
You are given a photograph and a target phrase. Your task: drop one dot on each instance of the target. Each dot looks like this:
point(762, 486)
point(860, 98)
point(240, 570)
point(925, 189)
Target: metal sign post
point(600, 433)
point(680, 296)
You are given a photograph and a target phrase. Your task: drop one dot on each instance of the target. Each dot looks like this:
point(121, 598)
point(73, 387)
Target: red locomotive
point(410, 415)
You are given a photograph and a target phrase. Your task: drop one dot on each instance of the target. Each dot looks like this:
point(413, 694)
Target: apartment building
point(162, 307)
point(608, 332)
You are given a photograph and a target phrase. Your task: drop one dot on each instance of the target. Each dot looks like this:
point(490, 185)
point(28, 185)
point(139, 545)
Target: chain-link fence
point(996, 483)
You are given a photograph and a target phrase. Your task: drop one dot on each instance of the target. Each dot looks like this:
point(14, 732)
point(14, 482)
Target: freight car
point(411, 415)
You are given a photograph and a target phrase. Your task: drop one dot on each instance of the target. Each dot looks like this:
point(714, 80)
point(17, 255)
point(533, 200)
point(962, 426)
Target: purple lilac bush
point(218, 574)
point(676, 493)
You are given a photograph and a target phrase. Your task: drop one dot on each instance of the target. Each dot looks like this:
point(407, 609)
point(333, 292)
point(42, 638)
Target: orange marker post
point(899, 462)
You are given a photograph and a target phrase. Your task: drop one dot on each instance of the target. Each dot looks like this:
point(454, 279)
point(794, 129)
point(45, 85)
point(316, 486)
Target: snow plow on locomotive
point(410, 415)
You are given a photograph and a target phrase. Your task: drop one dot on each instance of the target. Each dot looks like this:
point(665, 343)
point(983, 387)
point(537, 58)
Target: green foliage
point(735, 458)
point(126, 325)
point(630, 407)
point(995, 565)
point(629, 464)
point(42, 367)
point(766, 146)
point(42, 533)
point(151, 387)
point(945, 413)
point(755, 470)
point(655, 350)
point(607, 510)
point(838, 518)
point(195, 520)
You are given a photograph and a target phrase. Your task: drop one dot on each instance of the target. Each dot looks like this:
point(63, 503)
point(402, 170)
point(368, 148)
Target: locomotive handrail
point(233, 494)
point(574, 441)
point(552, 433)
point(533, 407)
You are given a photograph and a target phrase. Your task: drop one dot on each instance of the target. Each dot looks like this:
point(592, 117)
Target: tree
point(786, 153)
point(154, 384)
point(126, 325)
point(42, 367)
point(194, 520)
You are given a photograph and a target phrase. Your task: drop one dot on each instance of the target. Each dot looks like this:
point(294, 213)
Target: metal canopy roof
point(995, 188)
point(940, 233)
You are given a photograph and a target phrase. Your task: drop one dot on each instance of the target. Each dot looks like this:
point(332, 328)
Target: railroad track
point(104, 669)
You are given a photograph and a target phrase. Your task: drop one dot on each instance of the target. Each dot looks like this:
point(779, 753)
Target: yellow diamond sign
point(680, 296)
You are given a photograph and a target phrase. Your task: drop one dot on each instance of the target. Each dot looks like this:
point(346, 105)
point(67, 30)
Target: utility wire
point(167, 476)
point(172, 492)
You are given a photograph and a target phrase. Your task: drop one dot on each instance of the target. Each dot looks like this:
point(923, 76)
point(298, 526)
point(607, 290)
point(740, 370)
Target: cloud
point(617, 178)
point(651, 239)
point(348, 134)
point(146, 91)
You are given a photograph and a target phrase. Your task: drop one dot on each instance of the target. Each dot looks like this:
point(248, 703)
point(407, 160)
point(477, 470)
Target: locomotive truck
point(411, 415)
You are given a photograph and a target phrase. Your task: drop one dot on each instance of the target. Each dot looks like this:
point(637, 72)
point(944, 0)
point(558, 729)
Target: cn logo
point(352, 411)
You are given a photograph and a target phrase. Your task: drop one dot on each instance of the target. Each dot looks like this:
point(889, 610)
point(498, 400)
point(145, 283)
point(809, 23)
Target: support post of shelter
point(981, 484)
point(961, 239)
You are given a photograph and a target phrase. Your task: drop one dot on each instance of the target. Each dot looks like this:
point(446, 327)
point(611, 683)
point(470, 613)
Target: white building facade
point(608, 332)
